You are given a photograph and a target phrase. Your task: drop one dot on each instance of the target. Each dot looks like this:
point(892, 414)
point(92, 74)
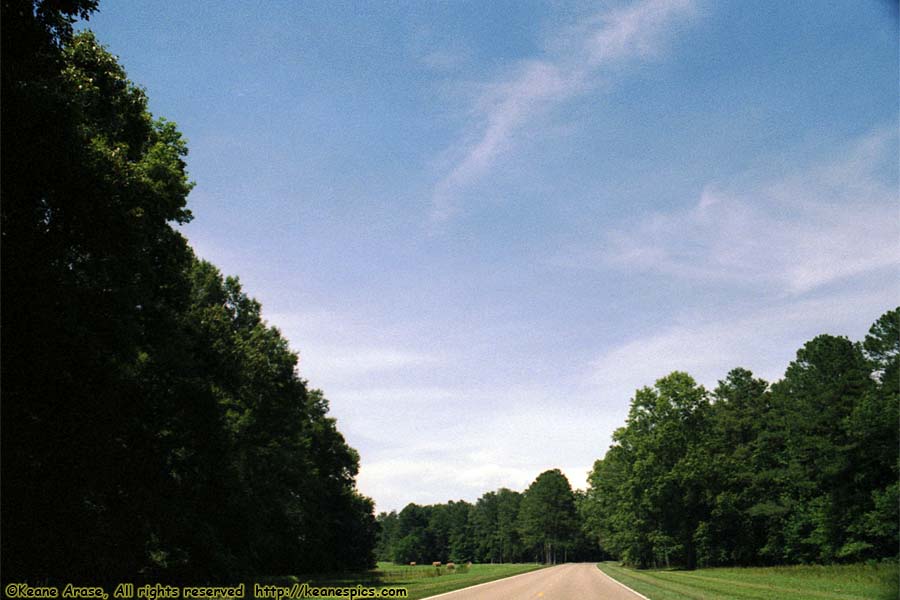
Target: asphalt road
point(582, 581)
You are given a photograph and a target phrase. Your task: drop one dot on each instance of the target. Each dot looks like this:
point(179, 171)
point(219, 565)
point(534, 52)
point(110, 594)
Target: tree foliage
point(154, 426)
point(804, 470)
point(547, 517)
point(500, 527)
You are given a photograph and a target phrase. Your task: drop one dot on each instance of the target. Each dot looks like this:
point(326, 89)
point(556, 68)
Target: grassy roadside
point(804, 582)
point(421, 581)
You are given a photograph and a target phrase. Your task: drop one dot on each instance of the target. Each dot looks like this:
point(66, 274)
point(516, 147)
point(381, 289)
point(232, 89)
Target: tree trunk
point(691, 557)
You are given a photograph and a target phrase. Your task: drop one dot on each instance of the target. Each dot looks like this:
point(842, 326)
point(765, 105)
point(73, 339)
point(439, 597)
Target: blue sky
point(483, 225)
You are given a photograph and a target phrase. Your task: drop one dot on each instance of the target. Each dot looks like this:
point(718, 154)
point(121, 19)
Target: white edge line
point(472, 587)
point(614, 580)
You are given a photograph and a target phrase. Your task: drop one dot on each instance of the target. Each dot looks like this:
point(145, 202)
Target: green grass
point(421, 581)
point(804, 582)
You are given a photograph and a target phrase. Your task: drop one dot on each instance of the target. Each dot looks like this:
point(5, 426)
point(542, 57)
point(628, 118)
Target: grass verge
point(877, 581)
point(421, 581)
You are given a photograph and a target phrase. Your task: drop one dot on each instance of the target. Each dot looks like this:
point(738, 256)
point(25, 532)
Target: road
point(563, 582)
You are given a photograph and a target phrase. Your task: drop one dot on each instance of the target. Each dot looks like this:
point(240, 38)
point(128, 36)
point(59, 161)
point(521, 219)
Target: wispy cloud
point(513, 101)
point(367, 360)
point(398, 481)
point(506, 107)
point(477, 452)
point(709, 345)
point(793, 235)
point(820, 244)
point(337, 349)
point(634, 31)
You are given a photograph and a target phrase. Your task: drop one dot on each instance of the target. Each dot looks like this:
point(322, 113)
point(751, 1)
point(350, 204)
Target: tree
point(91, 187)
point(882, 347)
point(547, 516)
point(610, 507)
point(291, 471)
point(664, 432)
point(509, 540)
point(483, 517)
point(648, 496)
point(874, 431)
point(803, 471)
point(387, 535)
point(150, 415)
point(460, 546)
point(412, 544)
point(816, 399)
point(741, 461)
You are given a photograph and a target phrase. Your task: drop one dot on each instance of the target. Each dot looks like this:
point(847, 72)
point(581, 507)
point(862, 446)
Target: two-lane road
point(563, 582)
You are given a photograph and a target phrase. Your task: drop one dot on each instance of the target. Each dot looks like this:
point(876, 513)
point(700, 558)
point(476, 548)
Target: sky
point(484, 225)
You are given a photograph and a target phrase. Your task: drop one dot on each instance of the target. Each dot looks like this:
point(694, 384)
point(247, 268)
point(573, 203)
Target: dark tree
point(803, 471)
point(154, 426)
point(547, 516)
point(92, 283)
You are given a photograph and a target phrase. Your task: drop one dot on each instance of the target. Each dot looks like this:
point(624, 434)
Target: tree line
point(541, 524)
point(804, 470)
point(154, 426)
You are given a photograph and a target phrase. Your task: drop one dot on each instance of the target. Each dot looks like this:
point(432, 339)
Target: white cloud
point(814, 252)
point(505, 107)
point(513, 102)
point(337, 348)
point(634, 31)
point(405, 396)
point(820, 226)
point(353, 361)
point(709, 345)
point(380, 416)
point(396, 482)
point(429, 449)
